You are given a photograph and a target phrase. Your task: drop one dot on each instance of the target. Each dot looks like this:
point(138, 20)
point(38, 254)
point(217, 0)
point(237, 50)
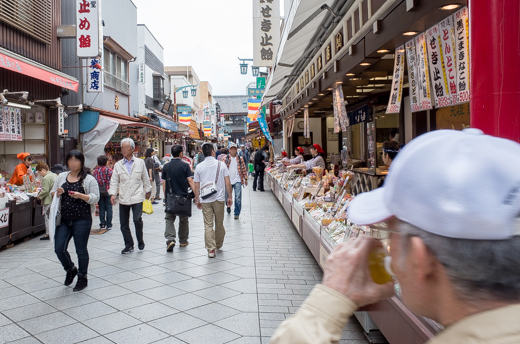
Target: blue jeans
point(238, 197)
point(105, 211)
point(80, 231)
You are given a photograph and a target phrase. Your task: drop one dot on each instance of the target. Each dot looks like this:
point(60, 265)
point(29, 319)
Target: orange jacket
point(19, 172)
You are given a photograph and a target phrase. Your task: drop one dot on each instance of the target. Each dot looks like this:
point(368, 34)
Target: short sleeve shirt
point(176, 174)
point(206, 172)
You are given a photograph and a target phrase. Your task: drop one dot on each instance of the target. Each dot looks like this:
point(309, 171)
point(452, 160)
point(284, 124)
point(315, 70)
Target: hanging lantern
point(193, 92)
point(185, 94)
point(243, 68)
point(256, 70)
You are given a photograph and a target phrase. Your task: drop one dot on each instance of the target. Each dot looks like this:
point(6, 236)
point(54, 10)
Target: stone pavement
point(260, 277)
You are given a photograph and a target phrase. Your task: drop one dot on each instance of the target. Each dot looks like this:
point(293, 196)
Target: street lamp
point(185, 94)
point(243, 68)
point(244, 65)
point(193, 92)
point(256, 70)
point(244, 104)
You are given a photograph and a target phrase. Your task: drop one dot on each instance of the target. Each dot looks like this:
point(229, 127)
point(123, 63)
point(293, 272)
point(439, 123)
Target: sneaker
point(82, 283)
point(109, 228)
point(229, 210)
point(184, 244)
point(211, 254)
point(141, 246)
point(236, 217)
point(127, 250)
point(102, 226)
point(71, 274)
point(169, 246)
point(45, 237)
point(155, 202)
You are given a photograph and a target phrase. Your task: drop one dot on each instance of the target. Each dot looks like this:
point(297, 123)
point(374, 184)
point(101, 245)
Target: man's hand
point(199, 205)
point(60, 191)
point(346, 271)
point(151, 180)
point(113, 200)
point(148, 195)
point(246, 182)
point(229, 202)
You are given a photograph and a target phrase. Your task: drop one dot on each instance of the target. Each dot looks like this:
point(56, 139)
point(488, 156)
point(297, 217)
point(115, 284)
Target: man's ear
point(422, 260)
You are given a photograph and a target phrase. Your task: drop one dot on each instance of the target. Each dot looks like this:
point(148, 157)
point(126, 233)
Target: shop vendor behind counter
point(21, 169)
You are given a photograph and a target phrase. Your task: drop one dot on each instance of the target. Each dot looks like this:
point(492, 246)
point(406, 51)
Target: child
point(251, 168)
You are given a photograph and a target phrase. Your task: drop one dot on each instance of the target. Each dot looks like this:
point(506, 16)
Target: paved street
point(260, 277)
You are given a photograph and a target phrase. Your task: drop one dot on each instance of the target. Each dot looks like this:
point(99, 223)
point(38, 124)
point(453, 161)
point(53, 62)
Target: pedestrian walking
point(157, 178)
point(45, 194)
point(211, 183)
point(150, 169)
point(177, 176)
point(131, 181)
point(199, 157)
point(237, 177)
point(260, 162)
point(79, 193)
point(103, 174)
point(454, 251)
point(251, 168)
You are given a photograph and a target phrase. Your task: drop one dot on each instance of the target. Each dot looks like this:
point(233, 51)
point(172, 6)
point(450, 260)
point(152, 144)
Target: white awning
point(291, 49)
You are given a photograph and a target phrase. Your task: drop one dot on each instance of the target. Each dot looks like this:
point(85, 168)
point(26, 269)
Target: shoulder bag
point(210, 189)
point(177, 205)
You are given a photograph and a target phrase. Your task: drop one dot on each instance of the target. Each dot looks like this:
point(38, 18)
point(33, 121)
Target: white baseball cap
point(457, 184)
point(232, 145)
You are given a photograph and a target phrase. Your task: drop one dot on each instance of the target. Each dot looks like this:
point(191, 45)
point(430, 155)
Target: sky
point(208, 35)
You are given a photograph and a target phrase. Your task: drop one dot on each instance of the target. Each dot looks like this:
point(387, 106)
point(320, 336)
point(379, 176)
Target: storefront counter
point(25, 219)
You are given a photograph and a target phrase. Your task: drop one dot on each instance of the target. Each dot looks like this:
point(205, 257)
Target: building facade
point(233, 112)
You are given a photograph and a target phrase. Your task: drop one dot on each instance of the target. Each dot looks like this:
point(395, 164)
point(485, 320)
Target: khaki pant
point(214, 212)
point(46, 216)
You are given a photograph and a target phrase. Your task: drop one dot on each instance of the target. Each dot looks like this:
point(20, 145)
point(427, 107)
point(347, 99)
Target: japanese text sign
point(441, 91)
point(266, 31)
point(447, 51)
point(88, 28)
point(306, 124)
point(140, 73)
point(394, 103)
point(341, 120)
point(4, 218)
point(423, 70)
point(358, 115)
point(415, 95)
point(94, 75)
point(461, 25)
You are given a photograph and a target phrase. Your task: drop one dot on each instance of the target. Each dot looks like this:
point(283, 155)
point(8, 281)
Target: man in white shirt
point(212, 172)
point(237, 176)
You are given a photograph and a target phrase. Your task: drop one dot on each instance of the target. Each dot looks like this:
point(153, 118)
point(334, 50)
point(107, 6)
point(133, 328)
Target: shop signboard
point(4, 218)
point(260, 82)
point(183, 109)
point(12, 124)
point(415, 95)
point(141, 74)
point(423, 72)
point(394, 104)
point(358, 115)
point(266, 32)
point(18, 133)
point(461, 24)
point(94, 75)
point(4, 110)
point(306, 129)
point(169, 125)
point(255, 92)
point(437, 68)
point(88, 28)
point(447, 52)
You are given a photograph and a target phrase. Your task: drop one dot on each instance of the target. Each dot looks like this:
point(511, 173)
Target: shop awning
point(168, 125)
point(293, 45)
point(126, 123)
point(194, 130)
point(20, 64)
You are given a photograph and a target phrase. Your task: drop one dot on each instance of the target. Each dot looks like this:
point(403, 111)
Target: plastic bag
point(53, 212)
point(147, 207)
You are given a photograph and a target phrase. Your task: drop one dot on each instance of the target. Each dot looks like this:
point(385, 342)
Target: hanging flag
point(263, 124)
point(415, 95)
point(394, 103)
point(437, 68)
point(340, 112)
point(423, 70)
point(447, 51)
point(461, 21)
point(253, 108)
point(290, 126)
point(306, 129)
point(185, 118)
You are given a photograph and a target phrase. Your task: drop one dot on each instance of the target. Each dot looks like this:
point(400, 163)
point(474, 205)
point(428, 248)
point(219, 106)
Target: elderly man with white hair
point(130, 178)
point(452, 205)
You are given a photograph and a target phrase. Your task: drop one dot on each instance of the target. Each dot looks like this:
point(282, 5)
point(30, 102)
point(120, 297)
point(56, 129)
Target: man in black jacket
point(260, 161)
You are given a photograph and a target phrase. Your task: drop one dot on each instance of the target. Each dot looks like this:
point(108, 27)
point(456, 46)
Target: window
point(158, 88)
point(33, 17)
point(116, 71)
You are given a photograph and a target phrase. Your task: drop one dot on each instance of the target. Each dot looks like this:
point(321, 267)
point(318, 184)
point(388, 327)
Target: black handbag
point(177, 205)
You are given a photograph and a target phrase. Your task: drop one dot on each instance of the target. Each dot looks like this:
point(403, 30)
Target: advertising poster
point(437, 69)
point(424, 72)
point(461, 28)
point(306, 129)
point(394, 104)
point(415, 95)
point(18, 136)
point(447, 51)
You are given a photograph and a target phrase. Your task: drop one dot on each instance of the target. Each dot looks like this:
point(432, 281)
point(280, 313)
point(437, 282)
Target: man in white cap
point(237, 176)
point(452, 203)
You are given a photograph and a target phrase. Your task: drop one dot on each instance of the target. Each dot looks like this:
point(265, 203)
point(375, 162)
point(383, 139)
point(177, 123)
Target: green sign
point(260, 82)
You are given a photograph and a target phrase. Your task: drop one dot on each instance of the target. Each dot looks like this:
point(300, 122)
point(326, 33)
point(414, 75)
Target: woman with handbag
point(103, 173)
point(78, 192)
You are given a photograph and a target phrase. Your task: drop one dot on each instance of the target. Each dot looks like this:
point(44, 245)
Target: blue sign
point(183, 109)
point(252, 92)
point(166, 124)
point(359, 115)
point(263, 124)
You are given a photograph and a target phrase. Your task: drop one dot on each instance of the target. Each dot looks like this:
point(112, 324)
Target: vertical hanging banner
point(394, 104)
point(263, 124)
point(447, 50)
point(4, 111)
point(437, 68)
point(306, 129)
point(292, 124)
point(266, 32)
point(415, 94)
point(94, 75)
point(89, 42)
point(341, 121)
point(423, 70)
point(461, 20)
point(12, 118)
point(18, 134)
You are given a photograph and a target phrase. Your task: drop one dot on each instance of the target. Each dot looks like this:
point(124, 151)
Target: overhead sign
point(166, 124)
point(437, 68)
point(423, 70)
point(461, 23)
point(394, 103)
point(166, 106)
point(183, 109)
point(89, 42)
point(415, 95)
point(253, 92)
point(266, 31)
point(358, 115)
point(94, 75)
